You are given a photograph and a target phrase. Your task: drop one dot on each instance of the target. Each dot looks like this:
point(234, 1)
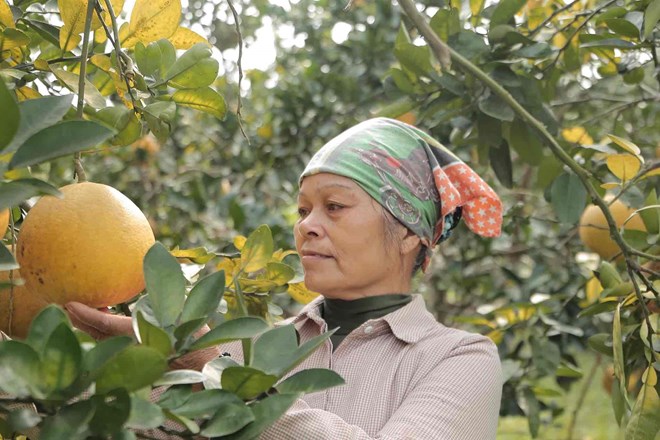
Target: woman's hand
point(98, 324)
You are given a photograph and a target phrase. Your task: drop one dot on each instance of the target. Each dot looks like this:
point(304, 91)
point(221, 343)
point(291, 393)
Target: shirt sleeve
point(459, 399)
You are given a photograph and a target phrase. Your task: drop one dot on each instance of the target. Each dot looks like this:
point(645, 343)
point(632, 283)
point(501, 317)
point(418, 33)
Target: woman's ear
point(410, 243)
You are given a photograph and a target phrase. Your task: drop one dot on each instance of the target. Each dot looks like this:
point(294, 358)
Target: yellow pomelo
point(17, 307)
point(4, 221)
point(595, 233)
point(86, 247)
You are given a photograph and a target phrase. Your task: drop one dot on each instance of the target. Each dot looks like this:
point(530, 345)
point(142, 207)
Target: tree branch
point(240, 69)
point(551, 17)
point(435, 43)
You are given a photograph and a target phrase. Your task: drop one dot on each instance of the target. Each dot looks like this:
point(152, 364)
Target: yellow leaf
point(626, 145)
point(117, 6)
point(26, 92)
point(610, 185)
point(623, 166)
point(280, 254)
point(204, 99)
point(6, 17)
point(92, 96)
point(184, 38)
point(496, 336)
point(301, 294)
point(651, 173)
point(72, 14)
point(41, 64)
point(239, 242)
point(100, 36)
point(230, 267)
point(152, 20)
point(102, 62)
point(258, 250)
point(11, 39)
point(592, 291)
point(577, 134)
point(265, 131)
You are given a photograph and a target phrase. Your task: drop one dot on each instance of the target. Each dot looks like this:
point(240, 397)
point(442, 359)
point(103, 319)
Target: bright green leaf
point(166, 285)
point(153, 336)
point(258, 249)
point(568, 198)
point(246, 382)
point(239, 328)
point(60, 360)
point(204, 99)
point(310, 381)
point(37, 114)
point(133, 368)
point(204, 297)
point(64, 138)
point(10, 116)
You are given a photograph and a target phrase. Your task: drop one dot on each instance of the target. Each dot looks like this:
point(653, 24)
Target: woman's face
point(340, 236)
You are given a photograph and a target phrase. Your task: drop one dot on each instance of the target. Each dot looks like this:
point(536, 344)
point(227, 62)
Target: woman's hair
point(391, 225)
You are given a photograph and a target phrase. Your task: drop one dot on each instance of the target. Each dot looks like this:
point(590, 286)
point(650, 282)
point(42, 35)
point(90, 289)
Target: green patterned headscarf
point(419, 181)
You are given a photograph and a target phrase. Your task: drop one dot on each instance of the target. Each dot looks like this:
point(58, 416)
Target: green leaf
point(608, 43)
point(469, 44)
point(530, 406)
point(598, 308)
point(229, 418)
point(178, 377)
point(310, 381)
point(163, 110)
point(240, 328)
point(14, 192)
point(112, 411)
point(545, 355)
point(568, 370)
point(613, 12)
point(7, 261)
point(416, 59)
point(64, 138)
point(133, 368)
point(279, 273)
point(144, 414)
point(37, 114)
point(258, 250)
point(148, 58)
point(70, 422)
point(19, 368)
point(273, 348)
point(505, 10)
point(123, 121)
point(535, 51)
point(246, 382)
point(166, 285)
point(274, 354)
point(266, 412)
point(644, 422)
point(60, 360)
point(189, 424)
point(10, 116)
point(651, 216)
point(104, 350)
point(494, 107)
point(45, 30)
point(205, 403)
point(23, 419)
point(43, 325)
point(184, 333)
point(500, 161)
point(651, 17)
point(445, 23)
point(619, 362)
point(525, 143)
point(153, 336)
point(195, 68)
point(204, 99)
point(622, 27)
point(204, 297)
point(69, 79)
point(568, 198)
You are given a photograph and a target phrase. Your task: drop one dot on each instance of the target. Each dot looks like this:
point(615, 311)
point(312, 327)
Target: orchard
point(150, 154)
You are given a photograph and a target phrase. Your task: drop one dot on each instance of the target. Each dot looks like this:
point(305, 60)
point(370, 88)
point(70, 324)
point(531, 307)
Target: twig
point(240, 69)
point(583, 392)
point(442, 51)
point(578, 29)
point(121, 56)
point(642, 302)
point(551, 17)
point(79, 171)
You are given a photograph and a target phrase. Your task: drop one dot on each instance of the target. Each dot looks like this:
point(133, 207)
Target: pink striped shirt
point(407, 377)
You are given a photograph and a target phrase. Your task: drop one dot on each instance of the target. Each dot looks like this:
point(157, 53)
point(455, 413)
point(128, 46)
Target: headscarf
point(419, 181)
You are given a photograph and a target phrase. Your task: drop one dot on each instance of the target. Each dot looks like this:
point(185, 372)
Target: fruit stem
point(79, 171)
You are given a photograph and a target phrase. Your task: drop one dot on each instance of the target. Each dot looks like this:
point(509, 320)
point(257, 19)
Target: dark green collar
point(349, 315)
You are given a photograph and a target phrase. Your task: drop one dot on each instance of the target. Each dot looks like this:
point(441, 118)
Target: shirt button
point(369, 329)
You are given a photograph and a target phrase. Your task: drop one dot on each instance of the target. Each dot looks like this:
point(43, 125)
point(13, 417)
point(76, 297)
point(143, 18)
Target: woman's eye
point(302, 212)
point(334, 207)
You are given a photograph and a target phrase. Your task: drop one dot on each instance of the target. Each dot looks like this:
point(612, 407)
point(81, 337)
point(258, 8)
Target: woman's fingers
point(98, 324)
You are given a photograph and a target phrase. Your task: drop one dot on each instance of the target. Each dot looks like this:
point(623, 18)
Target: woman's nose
point(310, 226)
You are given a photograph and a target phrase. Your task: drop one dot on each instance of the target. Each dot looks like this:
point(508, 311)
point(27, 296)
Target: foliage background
point(585, 69)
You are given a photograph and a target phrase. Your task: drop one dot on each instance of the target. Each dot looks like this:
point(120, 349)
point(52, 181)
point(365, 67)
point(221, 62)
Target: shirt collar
point(409, 324)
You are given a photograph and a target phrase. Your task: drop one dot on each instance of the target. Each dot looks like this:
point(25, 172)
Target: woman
point(373, 203)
